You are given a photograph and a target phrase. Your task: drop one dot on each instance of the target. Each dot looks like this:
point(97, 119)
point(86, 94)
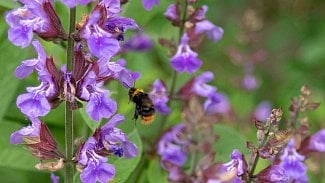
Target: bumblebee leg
point(135, 116)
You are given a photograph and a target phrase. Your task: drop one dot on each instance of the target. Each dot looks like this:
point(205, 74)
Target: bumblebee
point(143, 105)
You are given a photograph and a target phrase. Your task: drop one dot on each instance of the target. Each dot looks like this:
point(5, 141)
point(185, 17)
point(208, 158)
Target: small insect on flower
point(143, 105)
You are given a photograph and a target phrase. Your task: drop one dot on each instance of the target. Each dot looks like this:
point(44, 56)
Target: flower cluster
point(107, 140)
point(195, 25)
point(96, 40)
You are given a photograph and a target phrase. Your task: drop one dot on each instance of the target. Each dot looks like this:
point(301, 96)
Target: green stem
point(257, 156)
point(69, 166)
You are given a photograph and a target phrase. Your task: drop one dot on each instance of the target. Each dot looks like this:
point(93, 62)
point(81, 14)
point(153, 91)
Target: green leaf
point(155, 172)
point(91, 123)
point(229, 139)
point(124, 167)
point(10, 4)
point(14, 156)
point(10, 57)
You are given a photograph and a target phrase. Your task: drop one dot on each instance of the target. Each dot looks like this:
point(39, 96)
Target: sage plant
point(91, 44)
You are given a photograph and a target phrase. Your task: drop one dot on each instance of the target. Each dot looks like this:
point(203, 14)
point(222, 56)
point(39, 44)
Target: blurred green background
point(284, 41)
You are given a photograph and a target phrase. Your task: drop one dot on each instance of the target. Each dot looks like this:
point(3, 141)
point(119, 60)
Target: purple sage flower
point(263, 111)
point(185, 59)
point(94, 166)
point(274, 173)
point(317, 141)
point(249, 82)
point(292, 163)
point(172, 13)
point(171, 147)
point(116, 141)
point(203, 26)
point(104, 28)
point(228, 172)
point(148, 4)
point(201, 88)
point(159, 97)
point(35, 16)
point(29, 132)
point(138, 42)
point(216, 103)
point(35, 102)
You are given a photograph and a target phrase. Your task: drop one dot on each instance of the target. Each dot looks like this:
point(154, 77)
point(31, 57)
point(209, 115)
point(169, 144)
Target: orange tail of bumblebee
point(147, 119)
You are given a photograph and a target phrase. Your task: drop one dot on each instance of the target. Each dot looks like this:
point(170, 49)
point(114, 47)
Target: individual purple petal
point(274, 173)
point(159, 97)
point(54, 178)
point(73, 3)
point(111, 124)
point(100, 107)
point(263, 111)
point(130, 149)
point(213, 32)
point(216, 103)
point(200, 87)
point(317, 141)
point(237, 161)
point(26, 68)
point(100, 43)
point(249, 82)
point(20, 35)
point(185, 59)
point(118, 25)
point(148, 4)
point(172, 13)
point(101, 172)
point(32, 131)
point(33, 104)
point(112, 6)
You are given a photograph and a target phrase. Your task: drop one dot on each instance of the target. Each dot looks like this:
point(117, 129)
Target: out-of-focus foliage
point(289, 35)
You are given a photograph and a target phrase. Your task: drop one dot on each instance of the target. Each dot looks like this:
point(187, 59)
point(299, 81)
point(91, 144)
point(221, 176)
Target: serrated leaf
point(93, 125)
point(14, 156)
point(229, 139)
point(155, 172)
point(124, 167)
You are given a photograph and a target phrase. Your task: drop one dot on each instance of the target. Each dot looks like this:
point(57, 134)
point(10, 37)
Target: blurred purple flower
point(138, 42)
point(94, 166)
point(171, 147)
point(159, 97)
point(148, 4)
point(216, 103)
point(263, 111)
point(317, 141)
point(185, 59)
point(201, 88)
point(172, 13)
point(249, 82)
point(228, 172)
point(274, 173)
point(54, 178)
point(202, 25)
point(73, 3)
point(35, 16)
point(292, 163)
point(29, 132)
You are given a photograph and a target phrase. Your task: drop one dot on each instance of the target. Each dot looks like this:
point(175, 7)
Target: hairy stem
point(69, 166)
